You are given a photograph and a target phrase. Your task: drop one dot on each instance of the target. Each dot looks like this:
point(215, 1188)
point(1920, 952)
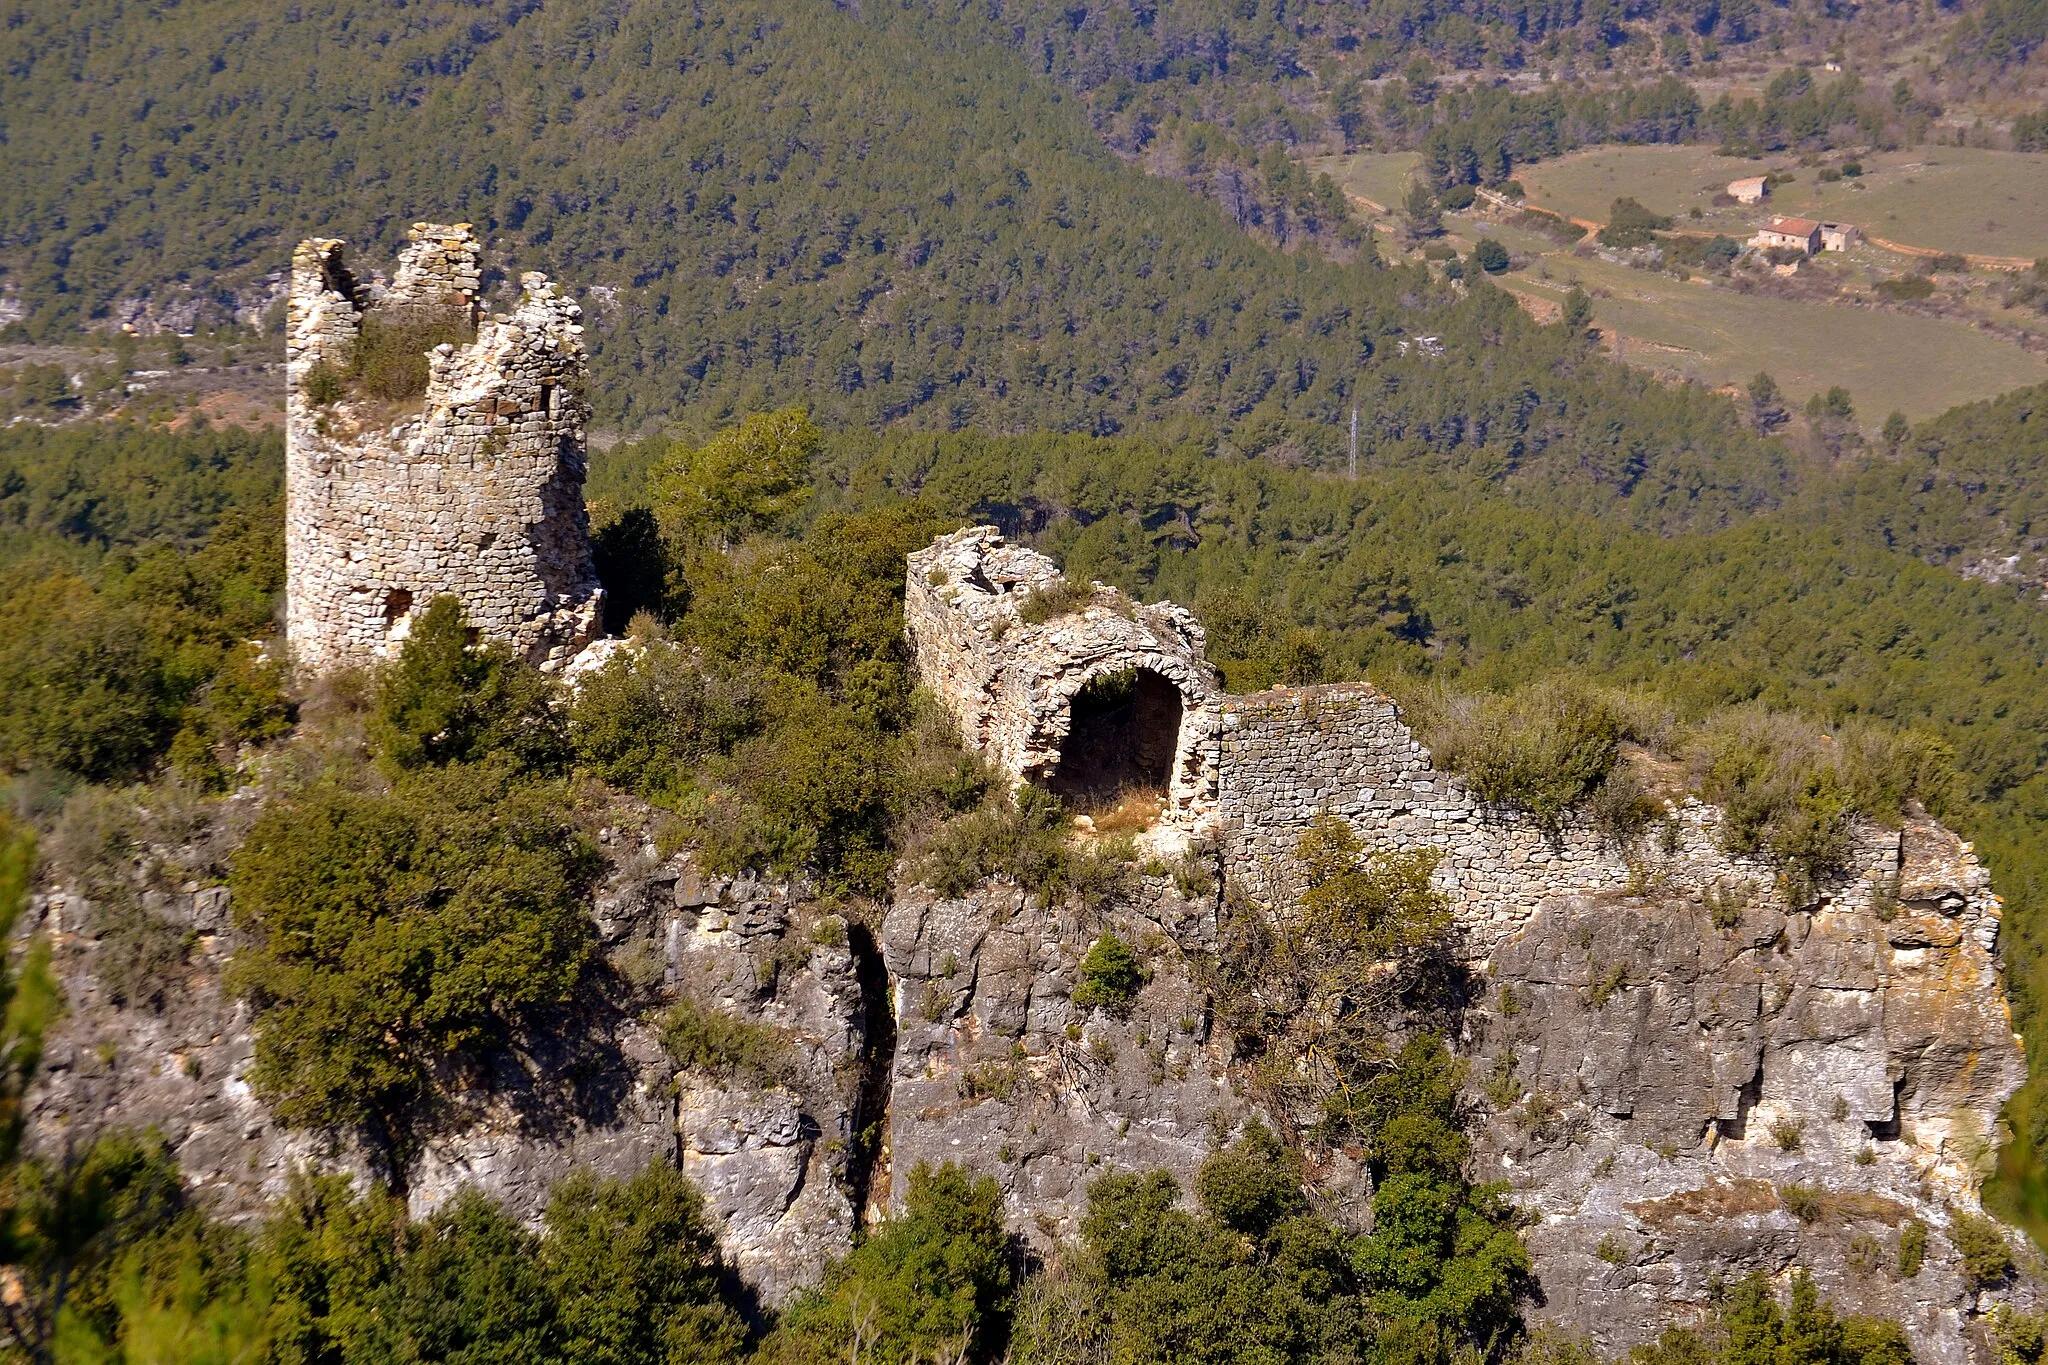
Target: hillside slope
point(783, 200)
point(890, 221)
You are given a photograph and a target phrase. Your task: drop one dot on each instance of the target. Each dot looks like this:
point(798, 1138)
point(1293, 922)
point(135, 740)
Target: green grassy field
point(1380, 176)
point(1948, 198)
point(1920, 366)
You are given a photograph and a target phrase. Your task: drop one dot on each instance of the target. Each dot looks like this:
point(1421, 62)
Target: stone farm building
point(1838, 236)
point(1749, 189)
point(1801, 234)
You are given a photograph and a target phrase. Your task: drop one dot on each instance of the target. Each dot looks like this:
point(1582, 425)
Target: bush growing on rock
point(1750, 1327)
point(937, 1280)
point(722, 1046)
point(1788, 788)
point(393, 932)
point(1987, 1257)
point(1804, 1202)
point(652, 713)
point(1053, 601)
point(1307, 994)
point(1025, 838)
point(245, 703)
point(448, 699)
point(1912, 1248)
point(2021, 1337)
point(1252, 1185)
point(389, 359)
point(1110, 976)
point(1376, 902)
point(1547, 749)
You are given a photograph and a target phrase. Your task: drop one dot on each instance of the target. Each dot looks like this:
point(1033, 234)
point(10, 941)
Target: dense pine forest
point(773, 202)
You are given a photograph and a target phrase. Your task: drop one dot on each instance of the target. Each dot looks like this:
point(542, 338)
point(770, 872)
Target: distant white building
point(1750, 189)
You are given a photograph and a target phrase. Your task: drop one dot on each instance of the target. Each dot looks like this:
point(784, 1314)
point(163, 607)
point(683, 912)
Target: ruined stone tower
point(474, 488)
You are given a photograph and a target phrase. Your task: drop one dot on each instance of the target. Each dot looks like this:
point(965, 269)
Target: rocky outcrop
point(777, 1161)
point(1679, 1083)
point(1684, 1065)
point(996, 1067)
point(1687, 1088)
point(773, 1155)
point(775, 1158)
point(177, 1066)
point(1666, 1040)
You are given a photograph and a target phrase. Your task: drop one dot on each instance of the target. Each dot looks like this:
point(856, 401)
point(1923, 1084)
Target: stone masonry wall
point(1010, 685)
point(478, 492)
point(1912, 920)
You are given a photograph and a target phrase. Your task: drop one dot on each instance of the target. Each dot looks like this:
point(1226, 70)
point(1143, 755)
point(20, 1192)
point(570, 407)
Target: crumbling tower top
point(432, 450)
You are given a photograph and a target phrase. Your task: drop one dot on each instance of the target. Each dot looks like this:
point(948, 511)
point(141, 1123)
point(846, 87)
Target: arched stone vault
point(1010, 683)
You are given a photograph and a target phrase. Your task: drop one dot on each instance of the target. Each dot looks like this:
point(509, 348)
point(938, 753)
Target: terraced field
point(1919, 365)
point(1381, 177)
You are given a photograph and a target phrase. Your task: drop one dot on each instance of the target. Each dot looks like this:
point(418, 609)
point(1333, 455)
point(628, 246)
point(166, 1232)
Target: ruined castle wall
point(476, 491)
point(1718, 1004)
point(1877, 1003)
point(1290, 754)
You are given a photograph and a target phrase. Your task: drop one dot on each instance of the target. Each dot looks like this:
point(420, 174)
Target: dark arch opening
point(1125, 731)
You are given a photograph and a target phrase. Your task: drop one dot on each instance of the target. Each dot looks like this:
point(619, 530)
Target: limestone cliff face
point(1659, 1092)
point(1669, 1086)
point(774, 1156)
point(1639, 1058)
point(997, 1068)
